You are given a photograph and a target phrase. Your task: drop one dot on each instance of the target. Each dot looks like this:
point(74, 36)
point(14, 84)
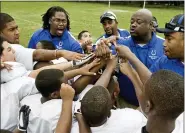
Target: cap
point(109, 15)
point(176, 24)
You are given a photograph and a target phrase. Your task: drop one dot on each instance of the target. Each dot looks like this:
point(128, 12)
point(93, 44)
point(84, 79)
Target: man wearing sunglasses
point(173, 46)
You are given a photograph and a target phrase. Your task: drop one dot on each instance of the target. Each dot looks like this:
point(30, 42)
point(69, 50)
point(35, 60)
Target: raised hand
point(102, 49)
point(23, 118)
point(123, 51)
point(66, 92)
point(85, 69)
point(112, 63)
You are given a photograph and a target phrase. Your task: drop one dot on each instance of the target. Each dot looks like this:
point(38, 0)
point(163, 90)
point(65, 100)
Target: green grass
point(83, 16)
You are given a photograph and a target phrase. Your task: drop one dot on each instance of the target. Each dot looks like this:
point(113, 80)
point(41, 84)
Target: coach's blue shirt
point(147, 54)
point(66, 41)
point(164, 62)
point(122, 33)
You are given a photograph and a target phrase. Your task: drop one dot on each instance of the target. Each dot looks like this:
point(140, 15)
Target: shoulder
point(69, 35)
point(128, 113)
point(103, 36)
point(40, 32)
point(71, 38)
point(160, 38)
point(124, 31)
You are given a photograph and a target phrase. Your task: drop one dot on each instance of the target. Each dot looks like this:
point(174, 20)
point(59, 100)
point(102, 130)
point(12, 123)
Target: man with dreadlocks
point(56, 26)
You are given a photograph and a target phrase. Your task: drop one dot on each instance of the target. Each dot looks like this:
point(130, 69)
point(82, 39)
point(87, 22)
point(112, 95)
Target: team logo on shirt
point(60, 44)
point(153, 55)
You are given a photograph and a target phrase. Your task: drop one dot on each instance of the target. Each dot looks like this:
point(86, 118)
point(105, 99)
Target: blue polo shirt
point(66, 41)
point(148, 55)
point(164, 62)
point(122, 33)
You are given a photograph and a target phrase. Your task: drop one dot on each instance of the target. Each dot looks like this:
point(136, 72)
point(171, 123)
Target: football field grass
point(83, 16)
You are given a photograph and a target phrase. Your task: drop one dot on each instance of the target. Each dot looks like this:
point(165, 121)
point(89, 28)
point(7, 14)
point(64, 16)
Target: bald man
point(145, 44)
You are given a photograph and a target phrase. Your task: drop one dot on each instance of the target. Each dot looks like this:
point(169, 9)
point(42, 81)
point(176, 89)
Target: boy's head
point(96, 105)
point(44, 44)
point(48, 83)
point(85, 37)
point(163, 95)
point(7, 53)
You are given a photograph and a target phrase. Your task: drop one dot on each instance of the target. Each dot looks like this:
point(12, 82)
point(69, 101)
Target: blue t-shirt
point(164, 62)
point(66, 41)
point(122, 33)
point(147, 54)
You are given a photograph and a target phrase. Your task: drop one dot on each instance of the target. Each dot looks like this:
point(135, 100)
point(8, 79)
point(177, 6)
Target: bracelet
point(56, 53)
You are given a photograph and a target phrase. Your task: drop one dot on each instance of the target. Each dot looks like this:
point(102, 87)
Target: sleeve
point(38, 125)
point(76, 47)
point(32, 43)
point(98, 40)
point(24, 56)
point(127, 33)
point(156, 66)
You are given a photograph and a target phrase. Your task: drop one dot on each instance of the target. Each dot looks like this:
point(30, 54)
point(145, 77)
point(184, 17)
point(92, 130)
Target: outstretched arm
point(143, 72)
point(47, 55)
point(126, 69)
point(83, 81)
point(65, 120)
point(105, 77)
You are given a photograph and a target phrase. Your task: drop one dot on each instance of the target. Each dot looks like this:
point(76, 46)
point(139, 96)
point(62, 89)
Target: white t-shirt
point(11, 94)
point(9, 111)
point(178, 125)
point(18, 70)
point(43, 118)
point(121, 121)
point(22, 86)
point(24, 55)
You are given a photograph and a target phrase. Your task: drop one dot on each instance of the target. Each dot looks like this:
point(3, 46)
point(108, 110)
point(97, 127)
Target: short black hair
point(4, 19)
point(49, 81)
point(51, 12)
point(1, 45)
point(47, 44)
point(165, 89)
point(81, 33)
point(96, 105)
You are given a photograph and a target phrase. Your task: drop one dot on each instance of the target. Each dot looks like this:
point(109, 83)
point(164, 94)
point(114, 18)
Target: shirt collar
point(149, 44)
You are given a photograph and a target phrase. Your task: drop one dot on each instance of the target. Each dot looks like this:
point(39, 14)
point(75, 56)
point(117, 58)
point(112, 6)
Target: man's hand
point(125, 67)
point(69, 55)
point(77, 63)
point(123, 51)
point(113, 39)
point(85, 69)
point(67, 92)
point(102, 49)
point(85, 43)
point(112, 63)
point(24, 118)
point(6, 66)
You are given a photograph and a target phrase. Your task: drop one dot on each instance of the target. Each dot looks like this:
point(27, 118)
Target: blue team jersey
point(147, 54)
point(66, 41)
point(164, 62)
point(122, 33)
